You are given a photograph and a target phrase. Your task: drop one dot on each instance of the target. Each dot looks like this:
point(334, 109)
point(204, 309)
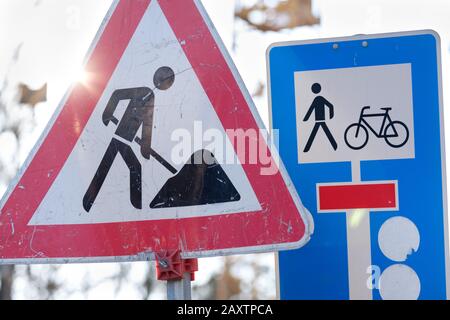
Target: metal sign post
point(179, 289)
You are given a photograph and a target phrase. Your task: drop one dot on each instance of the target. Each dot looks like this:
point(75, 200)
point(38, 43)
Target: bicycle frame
point(386, 117)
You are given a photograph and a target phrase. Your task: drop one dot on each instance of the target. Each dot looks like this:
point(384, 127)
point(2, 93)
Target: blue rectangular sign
point(361, 134)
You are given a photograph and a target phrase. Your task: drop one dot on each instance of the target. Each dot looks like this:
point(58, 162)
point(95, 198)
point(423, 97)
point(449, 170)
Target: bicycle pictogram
point(395, 133)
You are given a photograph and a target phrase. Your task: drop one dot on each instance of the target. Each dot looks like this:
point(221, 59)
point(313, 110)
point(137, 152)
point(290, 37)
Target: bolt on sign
point(111, 179)
point(361, 133)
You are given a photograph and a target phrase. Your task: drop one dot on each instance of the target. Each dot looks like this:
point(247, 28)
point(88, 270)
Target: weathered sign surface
point(161, 149)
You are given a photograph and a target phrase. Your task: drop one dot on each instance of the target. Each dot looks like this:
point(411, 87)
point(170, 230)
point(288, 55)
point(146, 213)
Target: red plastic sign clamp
point(170, 266)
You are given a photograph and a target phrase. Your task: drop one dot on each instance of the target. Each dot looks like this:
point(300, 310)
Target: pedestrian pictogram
point(318, 107)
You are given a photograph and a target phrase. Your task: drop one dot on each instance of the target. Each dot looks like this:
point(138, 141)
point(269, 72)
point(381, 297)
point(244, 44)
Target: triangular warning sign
point(154, 152)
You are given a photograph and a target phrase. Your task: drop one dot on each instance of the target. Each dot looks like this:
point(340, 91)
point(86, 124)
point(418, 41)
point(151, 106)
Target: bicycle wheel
point(356, 136)
point(396, 134)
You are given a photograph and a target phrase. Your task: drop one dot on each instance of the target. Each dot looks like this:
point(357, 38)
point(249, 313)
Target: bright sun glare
point(82, 77)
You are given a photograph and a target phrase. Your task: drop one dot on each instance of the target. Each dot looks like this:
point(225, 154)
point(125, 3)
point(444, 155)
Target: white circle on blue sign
point(399, 282)
point(398, 238)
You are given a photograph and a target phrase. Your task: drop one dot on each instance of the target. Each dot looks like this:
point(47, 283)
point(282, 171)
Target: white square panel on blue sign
point(361, 134)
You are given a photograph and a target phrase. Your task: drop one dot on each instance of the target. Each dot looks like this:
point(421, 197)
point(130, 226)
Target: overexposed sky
point(55, 34)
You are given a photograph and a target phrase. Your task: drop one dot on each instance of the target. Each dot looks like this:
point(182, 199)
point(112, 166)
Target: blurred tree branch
point(13, 121)
point(286, 14)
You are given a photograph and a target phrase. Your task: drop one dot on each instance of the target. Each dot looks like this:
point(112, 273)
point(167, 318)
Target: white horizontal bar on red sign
point(373, 195)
